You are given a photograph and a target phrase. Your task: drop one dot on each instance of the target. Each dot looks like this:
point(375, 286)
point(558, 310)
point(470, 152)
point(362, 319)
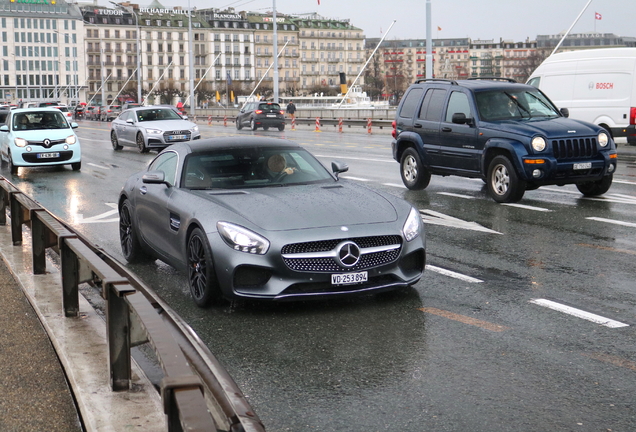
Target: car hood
point(306, 206)
point(548, 127)
point(167, 125)
point(42, 134)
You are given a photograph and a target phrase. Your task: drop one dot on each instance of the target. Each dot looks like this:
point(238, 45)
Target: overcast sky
point(487, 19)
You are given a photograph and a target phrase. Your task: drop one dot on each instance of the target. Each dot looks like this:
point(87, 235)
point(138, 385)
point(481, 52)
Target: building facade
point(41, 51)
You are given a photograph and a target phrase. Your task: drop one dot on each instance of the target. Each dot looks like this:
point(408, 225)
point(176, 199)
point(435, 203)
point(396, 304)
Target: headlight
point(242, 239)
point(195, 129)
point(154, 131)
point(538, 144)
point(20, 142)
point(71, 139)
point(412, 225)
point(603, 139)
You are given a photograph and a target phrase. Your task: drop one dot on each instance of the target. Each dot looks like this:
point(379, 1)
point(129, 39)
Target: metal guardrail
point(198, 394)
point(361, 123)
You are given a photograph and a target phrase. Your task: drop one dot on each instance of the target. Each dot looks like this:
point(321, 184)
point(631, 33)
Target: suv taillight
point(282, 112)
point(394, 131)
point(259, 111)
point(632, 116)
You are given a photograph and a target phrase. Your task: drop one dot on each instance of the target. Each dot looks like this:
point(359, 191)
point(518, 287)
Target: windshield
point(252, 167)
point(34, 120)
point(157, 114)
point(513, 105)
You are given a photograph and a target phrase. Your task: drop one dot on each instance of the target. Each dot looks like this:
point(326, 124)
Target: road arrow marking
point(100, 218)
point(435, 218)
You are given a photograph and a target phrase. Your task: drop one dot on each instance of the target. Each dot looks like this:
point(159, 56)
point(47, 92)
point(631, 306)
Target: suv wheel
point(595, 188)
point(239, 126)
point(414, 175)
point(503, 183)
point(253, 125)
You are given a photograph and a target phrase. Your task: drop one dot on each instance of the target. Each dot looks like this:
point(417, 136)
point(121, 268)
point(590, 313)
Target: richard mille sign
point(153, 11)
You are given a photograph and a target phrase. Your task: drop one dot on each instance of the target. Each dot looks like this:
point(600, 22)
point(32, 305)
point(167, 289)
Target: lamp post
point(190, 60)
point(132, 10)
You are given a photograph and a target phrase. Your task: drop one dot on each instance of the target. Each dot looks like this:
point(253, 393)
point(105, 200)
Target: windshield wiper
point(541, 102)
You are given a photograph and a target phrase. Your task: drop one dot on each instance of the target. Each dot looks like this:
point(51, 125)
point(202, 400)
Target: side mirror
point(339, 167)
point(155, 177)
point(74, 125)
point(460, 118)
point(130, 121)
point(565, 112)
point(4, 128)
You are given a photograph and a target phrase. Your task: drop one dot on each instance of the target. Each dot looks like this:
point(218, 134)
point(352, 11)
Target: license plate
point(349, 278)
point(271, 115)
point(48, 155)
point(582, 166)
point(177, 137)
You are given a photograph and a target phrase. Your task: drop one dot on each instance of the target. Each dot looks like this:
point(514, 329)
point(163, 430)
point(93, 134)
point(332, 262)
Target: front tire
point(239, 126)
point(12, 168)
point(141, 144)
point(595, 188)
point(114, 141)
point(130, 246)
point(202, 279)
point(414, 175)
point(503, 183)
point(76, 166)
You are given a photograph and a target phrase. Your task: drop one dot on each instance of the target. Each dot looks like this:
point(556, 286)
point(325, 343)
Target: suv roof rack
point(493, 78)
point(453, 82)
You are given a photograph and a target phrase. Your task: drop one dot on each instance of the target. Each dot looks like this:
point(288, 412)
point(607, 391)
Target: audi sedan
point(151, 127)
point(39, 137)
point(261, 218)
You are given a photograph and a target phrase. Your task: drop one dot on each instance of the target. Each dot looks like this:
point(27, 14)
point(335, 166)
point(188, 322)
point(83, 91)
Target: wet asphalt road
point(466, 349)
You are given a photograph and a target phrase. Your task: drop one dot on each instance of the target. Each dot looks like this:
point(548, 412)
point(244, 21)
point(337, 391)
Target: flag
point(218, 96)
point(318, 2)
point(439, 28)
point(598, 16)
point(232, 95)
point(229, 79)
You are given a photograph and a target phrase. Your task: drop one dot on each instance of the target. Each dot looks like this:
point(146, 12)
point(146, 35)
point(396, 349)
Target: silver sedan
point(152, 127)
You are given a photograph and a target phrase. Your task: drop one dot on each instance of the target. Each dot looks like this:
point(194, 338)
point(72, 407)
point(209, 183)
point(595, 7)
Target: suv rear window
point(269, 106)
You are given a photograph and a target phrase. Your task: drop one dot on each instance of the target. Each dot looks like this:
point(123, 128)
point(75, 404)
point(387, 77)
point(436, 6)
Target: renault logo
point(348, 254)
point(47, 143)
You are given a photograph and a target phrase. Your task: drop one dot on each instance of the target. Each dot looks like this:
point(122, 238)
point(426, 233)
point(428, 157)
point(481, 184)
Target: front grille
point(574, 148)
point(330, 265)
point(185, 133)
point(50, 144)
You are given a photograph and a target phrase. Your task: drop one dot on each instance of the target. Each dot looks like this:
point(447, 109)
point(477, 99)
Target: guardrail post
point(118, 328)
point(4, 203)
point(70, 280)
point(38, 247)
point(16, 220)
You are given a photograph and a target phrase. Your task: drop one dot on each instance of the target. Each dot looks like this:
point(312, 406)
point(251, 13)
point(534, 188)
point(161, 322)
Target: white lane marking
point(98, 166)
point(527, 207)
point(355, 178)
point(613, 198)
point(612, 221)
point(453, 274)
point(357, 158)
point(100, 218)
point(401, 186)
point(579, 313)
point(624, 182)
point(456, 195)
point(435, 218)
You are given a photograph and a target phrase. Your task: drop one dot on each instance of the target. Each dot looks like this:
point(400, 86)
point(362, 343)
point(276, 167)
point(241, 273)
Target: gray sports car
point(151, 127)
point(252, 217)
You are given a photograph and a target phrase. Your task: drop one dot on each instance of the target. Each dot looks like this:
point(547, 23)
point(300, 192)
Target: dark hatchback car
point(508, 134)
point(261, 114)
point(261, 218)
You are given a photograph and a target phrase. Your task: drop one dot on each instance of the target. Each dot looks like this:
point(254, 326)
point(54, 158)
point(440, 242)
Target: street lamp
point(132, 10)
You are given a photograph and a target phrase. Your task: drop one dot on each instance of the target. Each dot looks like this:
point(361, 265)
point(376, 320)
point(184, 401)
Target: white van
point(595, 85)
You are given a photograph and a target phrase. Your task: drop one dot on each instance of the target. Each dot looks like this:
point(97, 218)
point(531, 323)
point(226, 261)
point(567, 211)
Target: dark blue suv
point(508, 134)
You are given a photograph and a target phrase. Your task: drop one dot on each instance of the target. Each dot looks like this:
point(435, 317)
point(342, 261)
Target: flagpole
point(568, 32)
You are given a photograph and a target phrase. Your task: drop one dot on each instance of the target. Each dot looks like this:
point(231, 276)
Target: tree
point(396, 81)
point(373, 78)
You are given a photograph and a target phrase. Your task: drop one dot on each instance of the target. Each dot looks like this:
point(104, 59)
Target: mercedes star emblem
point(348, 254)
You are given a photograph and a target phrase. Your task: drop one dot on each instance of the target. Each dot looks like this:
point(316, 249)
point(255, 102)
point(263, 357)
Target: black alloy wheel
point(202, 279)
point(130, 247)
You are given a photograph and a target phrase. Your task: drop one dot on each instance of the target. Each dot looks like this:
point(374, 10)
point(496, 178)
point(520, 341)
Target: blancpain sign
point(227, 16)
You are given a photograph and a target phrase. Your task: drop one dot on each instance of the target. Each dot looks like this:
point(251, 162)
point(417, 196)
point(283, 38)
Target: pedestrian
point(291, 109)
